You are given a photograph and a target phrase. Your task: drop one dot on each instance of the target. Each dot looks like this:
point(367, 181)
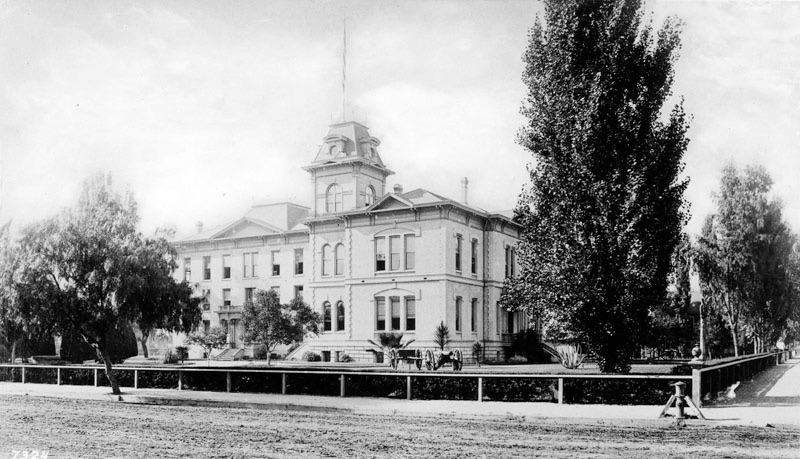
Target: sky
point(205, 108)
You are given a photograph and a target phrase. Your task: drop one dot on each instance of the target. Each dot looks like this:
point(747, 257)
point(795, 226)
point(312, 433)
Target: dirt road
point(86, 428)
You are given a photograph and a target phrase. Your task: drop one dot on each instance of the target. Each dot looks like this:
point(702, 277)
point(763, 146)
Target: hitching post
point(58, 376)
point(180, 380)
point(560, 391)
point(23, 375)
point(341, 386)
point(135, 379)
point(283, 383)
point(228, 381)
point(408, 387)
point(95, 377)
point(480, 389)
point(697, 390)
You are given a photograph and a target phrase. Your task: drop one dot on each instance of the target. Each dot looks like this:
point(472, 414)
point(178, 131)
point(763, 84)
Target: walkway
point(772, 398)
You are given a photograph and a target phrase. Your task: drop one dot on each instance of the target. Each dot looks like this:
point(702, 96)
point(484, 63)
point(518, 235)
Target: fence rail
point(704, 379)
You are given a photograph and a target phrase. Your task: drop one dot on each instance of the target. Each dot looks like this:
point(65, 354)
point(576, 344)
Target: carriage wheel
point(418, 359)
point(393, 360)
point(429, 363)
point(458, 360)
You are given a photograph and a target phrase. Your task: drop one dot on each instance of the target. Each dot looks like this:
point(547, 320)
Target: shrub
point(260, 352)
point(170, 356)
point(309, 356)
point(345, 358)
point(516, 358)
point(182, 352)
point(477, 351)
point(570, 355)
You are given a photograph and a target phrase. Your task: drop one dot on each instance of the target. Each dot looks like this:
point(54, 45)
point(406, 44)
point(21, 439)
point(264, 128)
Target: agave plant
point(570, 355)
point(388, 341)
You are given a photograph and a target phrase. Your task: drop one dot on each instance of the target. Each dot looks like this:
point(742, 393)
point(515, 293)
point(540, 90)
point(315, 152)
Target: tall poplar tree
point(604, 208)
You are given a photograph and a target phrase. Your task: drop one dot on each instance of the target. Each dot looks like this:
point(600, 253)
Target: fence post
point(228, 381)
point(560, 391)
point(341, 386)
point(95, 377)
point(283, 383)
point(135, 379)
point(23, 375)
point(480, 389)
point(697, 392)
point(408, 387)
point(180, 380)
point(58, 376)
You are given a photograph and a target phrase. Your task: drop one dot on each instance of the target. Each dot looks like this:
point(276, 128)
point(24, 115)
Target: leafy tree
point(603, 211)
point(670, 327)
point(151, 285)
point(121, 345)
point(441, 335)
point(88, 269)
point(745, 259)
point(270, 323)
point(214, 338)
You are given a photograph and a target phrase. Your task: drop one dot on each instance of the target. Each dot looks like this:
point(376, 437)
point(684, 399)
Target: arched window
point(326, 313)
point(340, 316)
point(333, 199)
point(369, 198)
point(326, 260)
point(338, 254)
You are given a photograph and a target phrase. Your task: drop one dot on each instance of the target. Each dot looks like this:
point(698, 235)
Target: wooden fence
point(704, 379)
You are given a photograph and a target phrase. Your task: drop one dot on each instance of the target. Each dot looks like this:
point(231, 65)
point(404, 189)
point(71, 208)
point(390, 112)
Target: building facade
point(368, 259)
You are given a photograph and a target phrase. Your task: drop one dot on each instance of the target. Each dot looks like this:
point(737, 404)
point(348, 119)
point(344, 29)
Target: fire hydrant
point(681, 401)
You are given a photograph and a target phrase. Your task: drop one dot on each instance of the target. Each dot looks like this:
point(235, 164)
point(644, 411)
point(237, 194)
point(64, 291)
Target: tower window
point(338, 254)
point(369, 196)
point(333, 199)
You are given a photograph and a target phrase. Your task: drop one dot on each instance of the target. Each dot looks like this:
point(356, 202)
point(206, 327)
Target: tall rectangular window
point(394, 253)
point(226, 266)
point(458, 252)
point(380, 314)
point(205, 300)
point(395, 307)
point(410, 251)
point(187, 269)
point(411, 313)
point(298, 261)
point(508, 261)
point(326, 260)
point(458, 313)
point(206, 326)
point(206, 268)
point(338, 260)
point(226, 297)
point(326, 316)
point(298, 291)
point(510, 321)
point(277, 290)
point(380, 254)
point(474, 316)
point(250, 264)
point(248, 294)
point(276, 264)
point(474, 263)
point(339, 316)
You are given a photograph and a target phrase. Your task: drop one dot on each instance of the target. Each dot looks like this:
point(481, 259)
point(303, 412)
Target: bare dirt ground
point(86, 428)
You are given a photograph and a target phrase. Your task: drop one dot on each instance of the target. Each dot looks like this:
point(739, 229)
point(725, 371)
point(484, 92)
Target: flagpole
point(344, 71)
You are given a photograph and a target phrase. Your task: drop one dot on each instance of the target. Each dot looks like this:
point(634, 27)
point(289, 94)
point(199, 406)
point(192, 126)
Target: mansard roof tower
point(347, 173)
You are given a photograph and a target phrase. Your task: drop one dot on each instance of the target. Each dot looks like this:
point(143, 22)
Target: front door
point(235, 334)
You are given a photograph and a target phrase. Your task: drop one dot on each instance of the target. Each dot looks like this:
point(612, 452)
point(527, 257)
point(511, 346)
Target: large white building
point(368, 258)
